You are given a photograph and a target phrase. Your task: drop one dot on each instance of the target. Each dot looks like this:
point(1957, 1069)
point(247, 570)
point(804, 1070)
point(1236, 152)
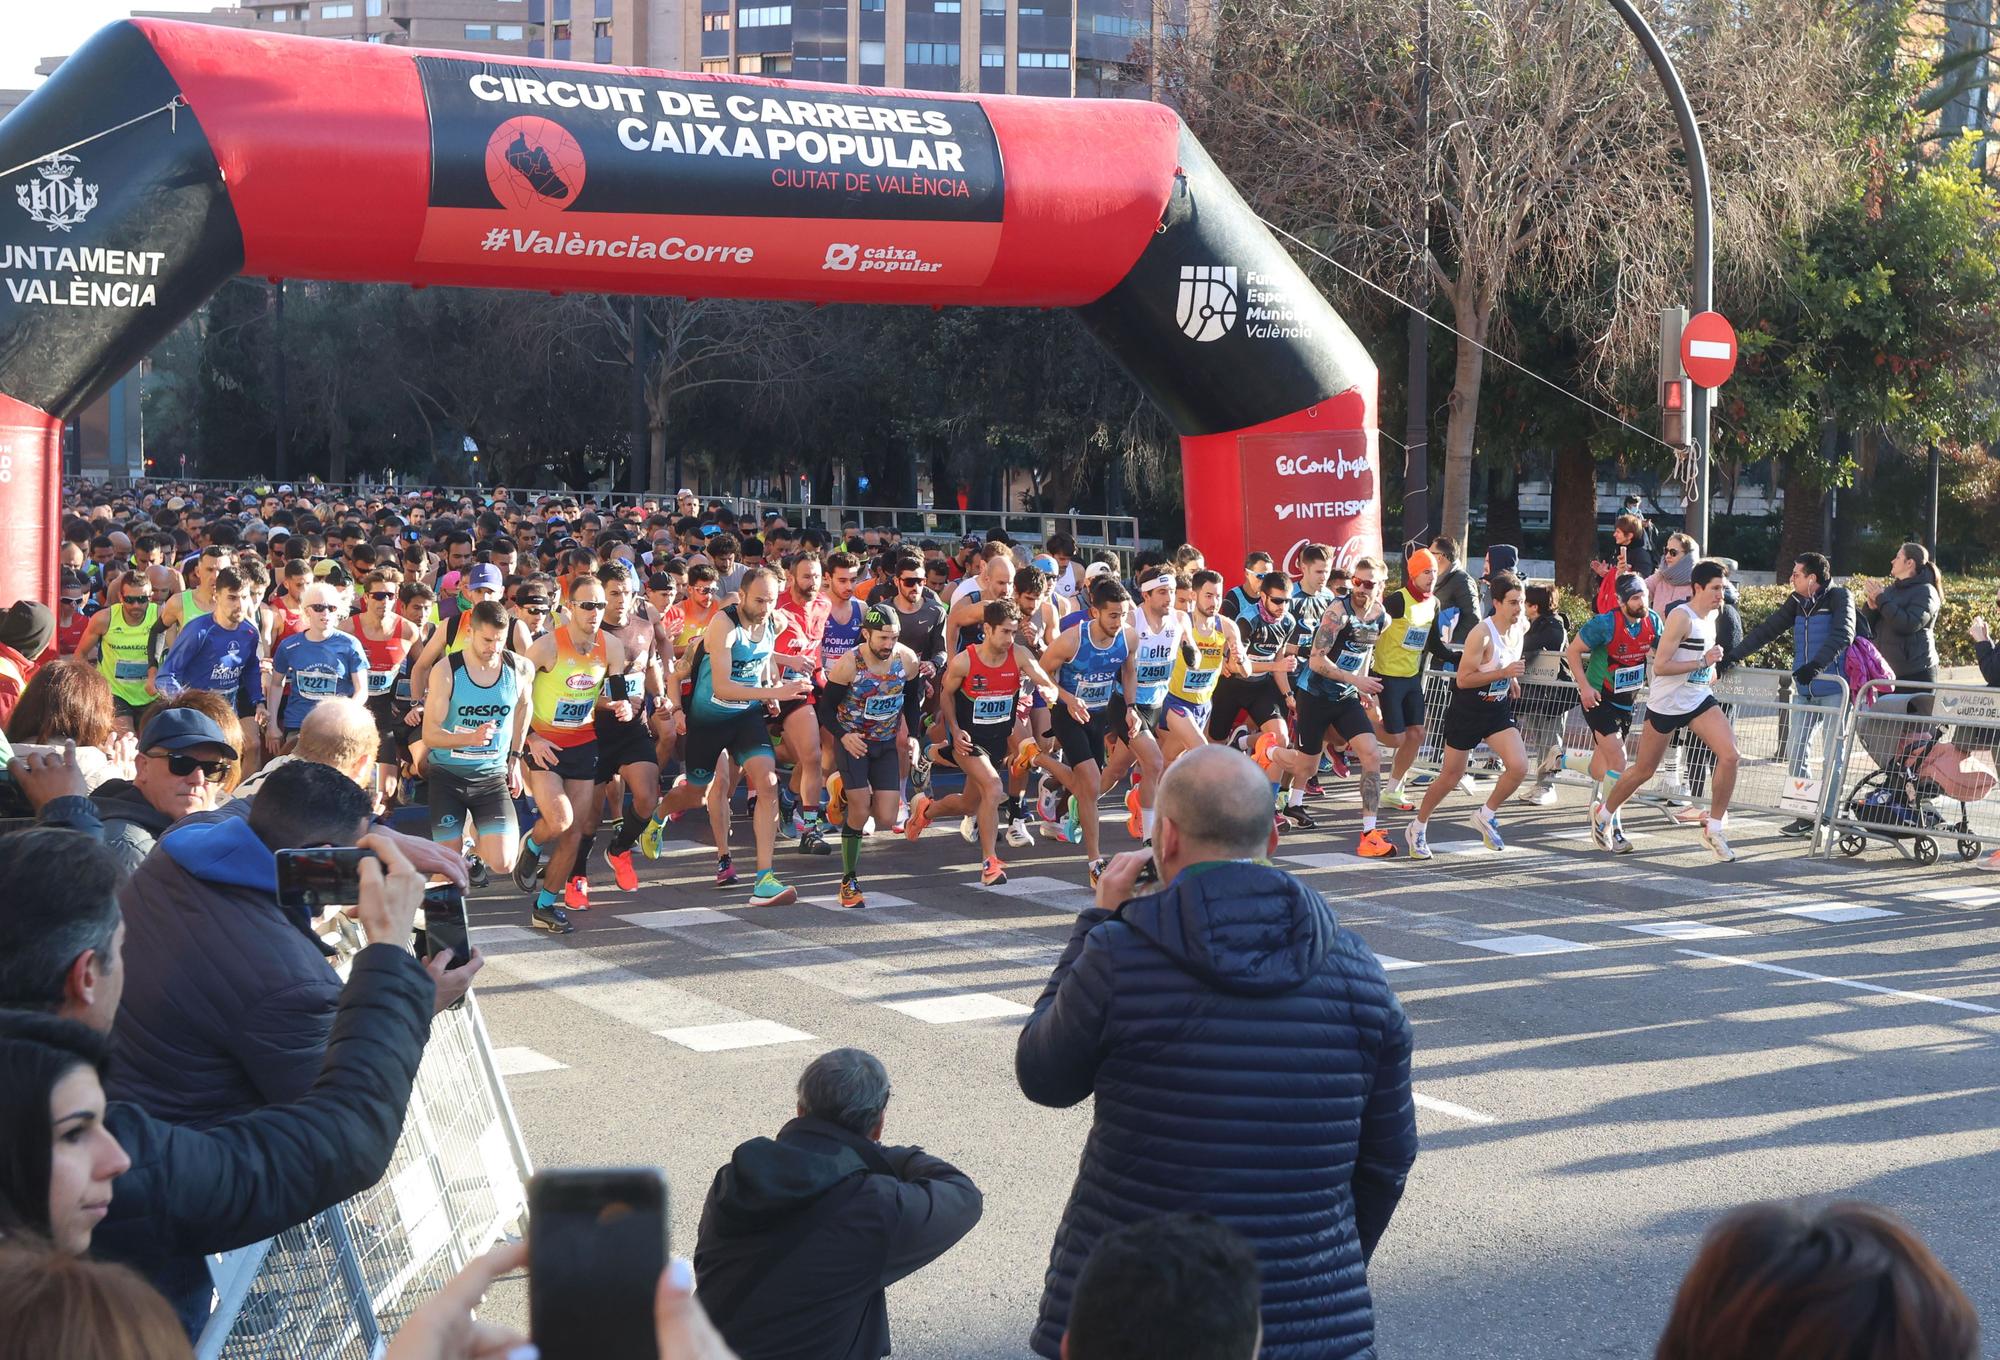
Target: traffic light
point(1673, 378)
point(1673, 412)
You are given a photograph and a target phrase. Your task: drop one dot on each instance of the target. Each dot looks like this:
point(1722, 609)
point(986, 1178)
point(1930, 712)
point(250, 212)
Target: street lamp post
point(1704, 249)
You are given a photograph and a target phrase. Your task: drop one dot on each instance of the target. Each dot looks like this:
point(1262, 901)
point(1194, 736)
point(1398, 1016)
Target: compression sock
point(533, 849)
point(1010, 808)
point(1296, 798)
point(581, 869)
point(850, 850)
point(546, 899)
point(628, 834)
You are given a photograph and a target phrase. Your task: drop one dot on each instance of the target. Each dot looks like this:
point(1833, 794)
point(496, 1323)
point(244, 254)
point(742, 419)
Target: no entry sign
point(1708, 349)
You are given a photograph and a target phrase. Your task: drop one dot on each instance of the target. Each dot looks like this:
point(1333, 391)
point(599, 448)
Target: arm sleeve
point(181, 652)
point(282, 1041)
point(1776, 622)
point(208, 1190)
point(1388, 1142)
point(1908, 611)
point(73, 814)
point(830, 698)
point(1056, 1057)
point(936, 1205)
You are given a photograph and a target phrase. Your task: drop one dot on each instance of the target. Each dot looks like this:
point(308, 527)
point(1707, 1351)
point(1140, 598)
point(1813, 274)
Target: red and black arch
point(301, 158)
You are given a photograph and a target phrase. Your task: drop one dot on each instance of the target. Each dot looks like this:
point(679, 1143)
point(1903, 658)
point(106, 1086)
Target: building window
point(944, 6)
point(874, 53)
point(992, 55)
point(1118, 26)
point(715, 66)
point(930, 54)
point(280, 16)
point(875, 5)
point(374, 9)
point(336, 11)
point(1047, 60)
point(601, 29)
point(764, 16)
point(560, 30)
point(510, 32)
point(1031, 11)
point(479, 33)
point(992, 6)
point(378, 36)
point(715, 23)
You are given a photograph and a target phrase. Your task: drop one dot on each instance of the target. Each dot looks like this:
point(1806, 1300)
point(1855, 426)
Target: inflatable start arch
point(226, 151)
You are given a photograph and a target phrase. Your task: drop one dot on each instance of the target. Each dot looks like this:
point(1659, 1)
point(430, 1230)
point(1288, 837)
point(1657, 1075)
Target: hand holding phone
point(597, 1247)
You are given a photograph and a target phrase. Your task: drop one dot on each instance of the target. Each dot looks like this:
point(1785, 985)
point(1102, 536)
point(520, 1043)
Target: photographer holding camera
point(230, 995)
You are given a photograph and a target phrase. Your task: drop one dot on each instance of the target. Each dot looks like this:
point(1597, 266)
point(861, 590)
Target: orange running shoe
point(920, 816)
point(627, 875)
point(576, 896)
point(836, 798)
point(1264, 748)
point(992, 874)
point(1024, 756)
point(1375, 845)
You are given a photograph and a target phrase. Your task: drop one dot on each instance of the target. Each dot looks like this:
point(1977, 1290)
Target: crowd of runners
point(625, 667)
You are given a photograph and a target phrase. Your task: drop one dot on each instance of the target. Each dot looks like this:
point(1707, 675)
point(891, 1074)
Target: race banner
point(665, 176)
point(1313, 487)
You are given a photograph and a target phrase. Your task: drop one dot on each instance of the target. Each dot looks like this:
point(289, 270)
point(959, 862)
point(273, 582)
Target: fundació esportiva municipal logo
point(58, 199)
point(533, 164)
point(1207, 308)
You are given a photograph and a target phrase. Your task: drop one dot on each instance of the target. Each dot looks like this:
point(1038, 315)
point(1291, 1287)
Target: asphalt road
point(1610, 1051)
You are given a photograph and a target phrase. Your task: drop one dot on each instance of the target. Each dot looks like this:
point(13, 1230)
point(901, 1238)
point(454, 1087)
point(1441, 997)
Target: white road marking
point(683, 916)
point(1034, 885)
point(1334, 859)
point(949, 1010)
point(1962, 897)
point(1424, 1102)
point(576, 975)
point(738, 1034)
point(1391, 964)
point(1685, 930)
point(515, 1061)
point(1843, 982)
point(874, 899)
point(1836, 912)
point(1527, 945)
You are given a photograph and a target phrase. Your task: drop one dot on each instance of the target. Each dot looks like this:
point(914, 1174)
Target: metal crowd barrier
point(1788, 745)
point(1919, 769)
point(340, 1284)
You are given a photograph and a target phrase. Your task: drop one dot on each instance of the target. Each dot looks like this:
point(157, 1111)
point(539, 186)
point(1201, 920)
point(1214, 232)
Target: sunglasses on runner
point(324, 608)
point(381, 594)
point(1360, 584)
point(181, 766)
point(138, 599)
point(592, 605)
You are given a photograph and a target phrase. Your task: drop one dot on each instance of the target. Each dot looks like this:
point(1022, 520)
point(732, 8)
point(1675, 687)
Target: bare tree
point(1554, 159)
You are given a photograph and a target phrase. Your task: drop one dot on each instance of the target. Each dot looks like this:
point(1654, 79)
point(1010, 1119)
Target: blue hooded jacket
point(228, 998)
point(1249, 1061)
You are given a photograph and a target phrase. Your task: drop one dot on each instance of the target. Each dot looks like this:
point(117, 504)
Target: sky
point(29, 32)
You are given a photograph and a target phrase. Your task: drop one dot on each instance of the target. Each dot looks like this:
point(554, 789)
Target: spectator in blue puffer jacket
point(1249, 1061)
point(1821, 617)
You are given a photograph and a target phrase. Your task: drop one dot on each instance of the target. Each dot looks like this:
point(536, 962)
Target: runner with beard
point(1263, 688)
point(862, 705)
point(804, 611)
point(1185, 711)
point(1399, 661)
point(734, 673)
point(1095, 670)
point(1330, 693)
point(625, 748)
point(920, 614)
point(983, 689)
point(579, 670)
point(476, 699)
point(387, 638)
point(1617, 643)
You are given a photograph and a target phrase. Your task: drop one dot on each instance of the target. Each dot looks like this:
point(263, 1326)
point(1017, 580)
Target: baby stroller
point(1906, 799)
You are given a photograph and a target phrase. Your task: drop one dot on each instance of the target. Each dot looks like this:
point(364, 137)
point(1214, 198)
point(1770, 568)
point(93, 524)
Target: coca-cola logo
point(1344, 557)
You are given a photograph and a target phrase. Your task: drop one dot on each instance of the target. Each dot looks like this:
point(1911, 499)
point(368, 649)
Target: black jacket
point(1546, 634)
point(228, 998)
point(195, 1191)
point(801, 1234)
point(1904, 621)
point(1249, 1061)
point(1454, 590)
point(117, 814)
point(1822, 629)
point(1989, 662)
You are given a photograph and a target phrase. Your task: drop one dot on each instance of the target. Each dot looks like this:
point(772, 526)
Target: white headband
point(1157, 583)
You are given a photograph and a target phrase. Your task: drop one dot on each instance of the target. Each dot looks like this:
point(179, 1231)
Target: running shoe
point(649, 839)
point(1600, 828)
point(1024, 756)
point(814, 842)
point(791, 816)
point(725, 871)
point(850, 892)
point(1488, 827)
point(920, 816)
point(1718, 846)
point(836, 794)
point(1538, 795)
point(1049, 804)
point(1313, 789)
point(1991, 862)
point(1418, 842)
point(1688, 816)
point(920, 774)
point(1297, 817)
point(552, 919)
point(1621, 844)
point(1265, 749)
point(968, 828)
point(1336, 765)
point(527, 867)
point(1798, 826)
point(1019, 834)
point(1239, 737)
point(771, 893)
point(623, 869)
point(1096, 871)
point(1132, 794)
point(992, 874)
point(477, 875)
point(1398, 796)
point(576, 894)
point(1375, 845)
point(1135, 822)
point(1675, 789)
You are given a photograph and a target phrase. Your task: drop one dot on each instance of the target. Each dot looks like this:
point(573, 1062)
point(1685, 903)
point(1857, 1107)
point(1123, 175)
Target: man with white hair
point(318, 664)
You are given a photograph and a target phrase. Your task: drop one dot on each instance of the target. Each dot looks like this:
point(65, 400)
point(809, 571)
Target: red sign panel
point(1708, 349)
point(1316, 487)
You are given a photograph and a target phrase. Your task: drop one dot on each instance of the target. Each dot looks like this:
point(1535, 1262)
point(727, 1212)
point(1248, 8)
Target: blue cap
point(178, 729)
point(485, 576)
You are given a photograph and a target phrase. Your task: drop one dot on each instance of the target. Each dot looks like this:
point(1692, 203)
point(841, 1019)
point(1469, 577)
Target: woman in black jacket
point(57, 1160)
point(1989, 655)
point(1902, 614)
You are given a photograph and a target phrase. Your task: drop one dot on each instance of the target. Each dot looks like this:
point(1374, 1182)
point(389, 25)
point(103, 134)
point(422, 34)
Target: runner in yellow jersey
point(571, 665)
point(1399, 663)
point(1191, 688)
point(126, 638)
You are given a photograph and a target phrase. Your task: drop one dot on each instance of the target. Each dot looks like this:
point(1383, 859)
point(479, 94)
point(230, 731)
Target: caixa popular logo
point(57, 199)
point(1208, 304)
